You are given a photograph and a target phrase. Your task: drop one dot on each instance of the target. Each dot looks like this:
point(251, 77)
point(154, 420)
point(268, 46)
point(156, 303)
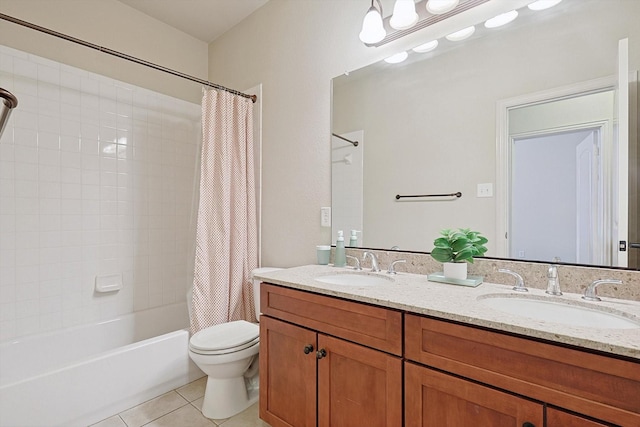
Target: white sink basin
point(354, 279)
point(558, 312)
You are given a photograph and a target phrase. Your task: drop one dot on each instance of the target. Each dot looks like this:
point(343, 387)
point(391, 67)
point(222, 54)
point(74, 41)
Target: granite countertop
point(414, 293)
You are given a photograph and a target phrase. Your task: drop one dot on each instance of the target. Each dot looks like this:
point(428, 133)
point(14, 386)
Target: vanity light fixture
point(502, 19)
point(438, 7)
point(397, 58)
point(426, 47)
point(543, 4)
point(408, 17)
point(372, 27)
point(465, 33)
point(404, 15)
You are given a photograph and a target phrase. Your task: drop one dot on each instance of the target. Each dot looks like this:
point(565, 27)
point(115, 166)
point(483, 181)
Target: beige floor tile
point(193, 390)
point(247, 418)
point(187, 416)
point(153, 409)
point(198, 403)
point(114, 421)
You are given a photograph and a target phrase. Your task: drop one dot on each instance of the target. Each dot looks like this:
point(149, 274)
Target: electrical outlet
point(325, 217)
point(485, 190)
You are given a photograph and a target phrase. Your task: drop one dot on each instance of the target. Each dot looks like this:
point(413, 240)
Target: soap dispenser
point(353, 240)
point(340, 259)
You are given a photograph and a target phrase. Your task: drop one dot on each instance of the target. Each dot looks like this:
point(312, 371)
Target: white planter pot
point(455, 270)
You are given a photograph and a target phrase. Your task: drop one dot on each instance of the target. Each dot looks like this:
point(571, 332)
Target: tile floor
point(181, 407)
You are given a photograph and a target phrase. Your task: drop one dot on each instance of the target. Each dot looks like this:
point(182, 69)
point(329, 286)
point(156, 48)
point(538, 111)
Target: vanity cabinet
point(494, 368)
point(328, 362)
point(331, 362)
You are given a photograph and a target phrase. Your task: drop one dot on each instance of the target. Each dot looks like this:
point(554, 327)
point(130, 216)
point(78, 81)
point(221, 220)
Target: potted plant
point(456, 248)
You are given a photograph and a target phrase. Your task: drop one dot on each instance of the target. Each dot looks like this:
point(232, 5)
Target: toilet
point(228, 354)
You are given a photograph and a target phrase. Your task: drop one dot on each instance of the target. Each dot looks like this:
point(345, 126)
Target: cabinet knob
point(528, 424)
point(322, 353)
point(308, 348)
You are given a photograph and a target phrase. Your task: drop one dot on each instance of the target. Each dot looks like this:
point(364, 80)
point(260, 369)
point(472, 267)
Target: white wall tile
point(83, 163)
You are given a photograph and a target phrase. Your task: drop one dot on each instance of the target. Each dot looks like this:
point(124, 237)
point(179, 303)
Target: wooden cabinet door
point(287, 374)
point(434, 399)
point(558, 418)
point(358, 386)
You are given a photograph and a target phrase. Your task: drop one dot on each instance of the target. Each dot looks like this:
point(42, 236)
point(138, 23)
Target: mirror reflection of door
point(565, 152)
point(559, 217)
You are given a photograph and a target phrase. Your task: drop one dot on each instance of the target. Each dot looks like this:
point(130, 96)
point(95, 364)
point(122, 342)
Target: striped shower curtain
point(227, 235)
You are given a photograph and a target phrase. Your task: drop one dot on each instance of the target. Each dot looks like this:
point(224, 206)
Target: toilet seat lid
point(225, 336)
point(254, 343)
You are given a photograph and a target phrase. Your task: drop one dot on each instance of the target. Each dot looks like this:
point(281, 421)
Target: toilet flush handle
point(308, 348)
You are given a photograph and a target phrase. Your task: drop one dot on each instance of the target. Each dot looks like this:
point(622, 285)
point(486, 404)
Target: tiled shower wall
point(97, 178)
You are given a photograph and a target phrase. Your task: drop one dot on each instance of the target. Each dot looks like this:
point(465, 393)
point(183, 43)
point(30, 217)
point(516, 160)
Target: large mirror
point(430, 126)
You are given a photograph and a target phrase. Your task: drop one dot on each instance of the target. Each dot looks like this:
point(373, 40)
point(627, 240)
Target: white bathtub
point(81, 375)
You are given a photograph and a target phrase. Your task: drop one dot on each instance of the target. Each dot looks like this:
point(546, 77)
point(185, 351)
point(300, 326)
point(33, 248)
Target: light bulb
point(426, 47)
point(404, 15)
point(501, 19)
point(397, 58)
point(438, 7)
point(372, 28)
point(462, 34)
point(543, 4)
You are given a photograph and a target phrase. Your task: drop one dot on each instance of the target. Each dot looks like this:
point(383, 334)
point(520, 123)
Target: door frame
point(504, 144)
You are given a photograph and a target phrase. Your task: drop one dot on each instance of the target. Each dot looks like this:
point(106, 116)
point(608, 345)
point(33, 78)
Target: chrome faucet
point(553, 281)
point(591, 294)
point(392, 269)
point(519, 287)
point(374, 260)
point(357, 265)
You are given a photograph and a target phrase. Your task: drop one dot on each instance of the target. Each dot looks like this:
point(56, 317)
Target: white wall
point(114, 25)
point(96, 179)
point(295, 48)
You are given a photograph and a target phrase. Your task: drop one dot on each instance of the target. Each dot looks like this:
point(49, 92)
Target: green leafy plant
point(458, 245)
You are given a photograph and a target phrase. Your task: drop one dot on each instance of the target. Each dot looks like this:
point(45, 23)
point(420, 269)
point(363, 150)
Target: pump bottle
point(353, 240)
point(340, 259)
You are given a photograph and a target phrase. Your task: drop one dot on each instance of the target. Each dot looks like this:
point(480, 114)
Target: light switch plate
point(485, 190)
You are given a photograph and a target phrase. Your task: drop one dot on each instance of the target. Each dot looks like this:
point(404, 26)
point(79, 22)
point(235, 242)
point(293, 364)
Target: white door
point(620, 217)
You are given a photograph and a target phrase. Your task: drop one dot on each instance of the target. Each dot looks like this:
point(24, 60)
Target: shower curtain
point(227, 235)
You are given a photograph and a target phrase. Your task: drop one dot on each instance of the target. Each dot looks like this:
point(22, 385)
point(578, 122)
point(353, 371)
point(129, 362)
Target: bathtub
point(81, 375)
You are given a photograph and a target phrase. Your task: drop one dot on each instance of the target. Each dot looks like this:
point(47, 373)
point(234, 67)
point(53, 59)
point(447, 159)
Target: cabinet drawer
point(599, 386)
point(375, 327)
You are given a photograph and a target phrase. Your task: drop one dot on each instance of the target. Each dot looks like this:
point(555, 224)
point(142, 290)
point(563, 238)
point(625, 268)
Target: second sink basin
point(558, 312)
point(354, 279)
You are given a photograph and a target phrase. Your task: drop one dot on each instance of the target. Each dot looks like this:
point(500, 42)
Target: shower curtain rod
point(124, 56)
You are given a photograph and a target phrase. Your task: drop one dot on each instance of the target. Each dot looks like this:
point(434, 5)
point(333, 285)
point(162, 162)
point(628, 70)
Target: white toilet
point(228, 354)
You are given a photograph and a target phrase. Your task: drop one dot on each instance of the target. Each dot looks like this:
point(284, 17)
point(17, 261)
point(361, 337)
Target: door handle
point(321, 353)
point(635, 245)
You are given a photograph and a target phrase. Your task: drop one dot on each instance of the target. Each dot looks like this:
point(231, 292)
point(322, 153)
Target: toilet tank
point(256, 286)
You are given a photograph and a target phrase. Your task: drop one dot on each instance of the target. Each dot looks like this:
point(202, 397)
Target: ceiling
point(203, 19)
